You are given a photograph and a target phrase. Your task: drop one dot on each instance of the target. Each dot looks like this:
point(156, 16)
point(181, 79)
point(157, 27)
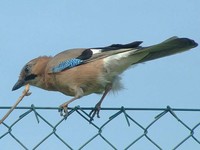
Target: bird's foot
point(95, 111)
point(63, 110)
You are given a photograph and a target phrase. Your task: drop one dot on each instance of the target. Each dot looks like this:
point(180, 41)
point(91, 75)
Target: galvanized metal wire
point(192, 131)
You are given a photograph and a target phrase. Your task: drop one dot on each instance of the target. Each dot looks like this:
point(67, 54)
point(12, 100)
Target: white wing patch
point(96, 51)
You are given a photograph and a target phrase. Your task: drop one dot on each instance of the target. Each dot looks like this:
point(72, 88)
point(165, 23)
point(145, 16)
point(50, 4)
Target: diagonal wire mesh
point(140, 129)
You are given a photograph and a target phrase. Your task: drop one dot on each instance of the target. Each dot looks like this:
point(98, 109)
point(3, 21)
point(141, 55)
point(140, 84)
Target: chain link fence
point(118, 128)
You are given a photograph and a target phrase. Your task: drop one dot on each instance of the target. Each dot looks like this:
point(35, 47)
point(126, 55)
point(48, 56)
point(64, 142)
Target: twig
point(24, 93)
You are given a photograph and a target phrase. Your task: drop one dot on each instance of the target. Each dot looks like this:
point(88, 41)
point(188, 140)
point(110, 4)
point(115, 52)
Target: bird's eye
point(27, 68)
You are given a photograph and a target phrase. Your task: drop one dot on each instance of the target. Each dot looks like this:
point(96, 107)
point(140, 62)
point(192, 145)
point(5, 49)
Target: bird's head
point(32, 73)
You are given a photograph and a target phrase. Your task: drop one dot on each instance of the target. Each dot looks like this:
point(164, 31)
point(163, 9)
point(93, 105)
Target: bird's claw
point(63, 110)
point(95, 111)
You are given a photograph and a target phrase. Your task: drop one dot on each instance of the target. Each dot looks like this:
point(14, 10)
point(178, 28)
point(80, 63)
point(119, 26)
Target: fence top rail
point(105, 108)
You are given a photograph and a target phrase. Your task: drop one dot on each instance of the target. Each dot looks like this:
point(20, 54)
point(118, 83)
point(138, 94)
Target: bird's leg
point(64, 107)
point(97, 107)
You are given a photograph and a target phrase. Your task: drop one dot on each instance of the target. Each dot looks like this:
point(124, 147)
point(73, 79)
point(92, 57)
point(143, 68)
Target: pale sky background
point(33, 28)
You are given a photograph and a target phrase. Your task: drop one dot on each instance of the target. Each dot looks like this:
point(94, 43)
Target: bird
point(83, 71)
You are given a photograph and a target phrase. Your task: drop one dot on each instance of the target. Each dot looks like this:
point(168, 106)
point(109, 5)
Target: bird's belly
point(87, 77)
point(88, 87)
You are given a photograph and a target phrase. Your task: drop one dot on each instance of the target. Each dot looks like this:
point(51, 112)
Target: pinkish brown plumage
point(80, 72)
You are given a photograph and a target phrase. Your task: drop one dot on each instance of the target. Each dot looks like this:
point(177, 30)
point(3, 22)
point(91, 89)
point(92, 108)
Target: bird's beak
point(18, 85)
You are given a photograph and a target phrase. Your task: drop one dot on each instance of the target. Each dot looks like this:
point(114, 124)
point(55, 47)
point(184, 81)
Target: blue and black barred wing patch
point(73, 62)
point(67, 64)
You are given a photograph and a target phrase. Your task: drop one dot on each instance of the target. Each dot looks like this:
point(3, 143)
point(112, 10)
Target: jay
point(80, 72)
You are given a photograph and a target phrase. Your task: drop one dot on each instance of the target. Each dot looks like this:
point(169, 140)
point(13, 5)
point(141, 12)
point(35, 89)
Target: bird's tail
point(169, 47)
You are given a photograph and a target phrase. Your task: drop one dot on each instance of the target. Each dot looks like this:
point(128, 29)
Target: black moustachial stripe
point(30, 77)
